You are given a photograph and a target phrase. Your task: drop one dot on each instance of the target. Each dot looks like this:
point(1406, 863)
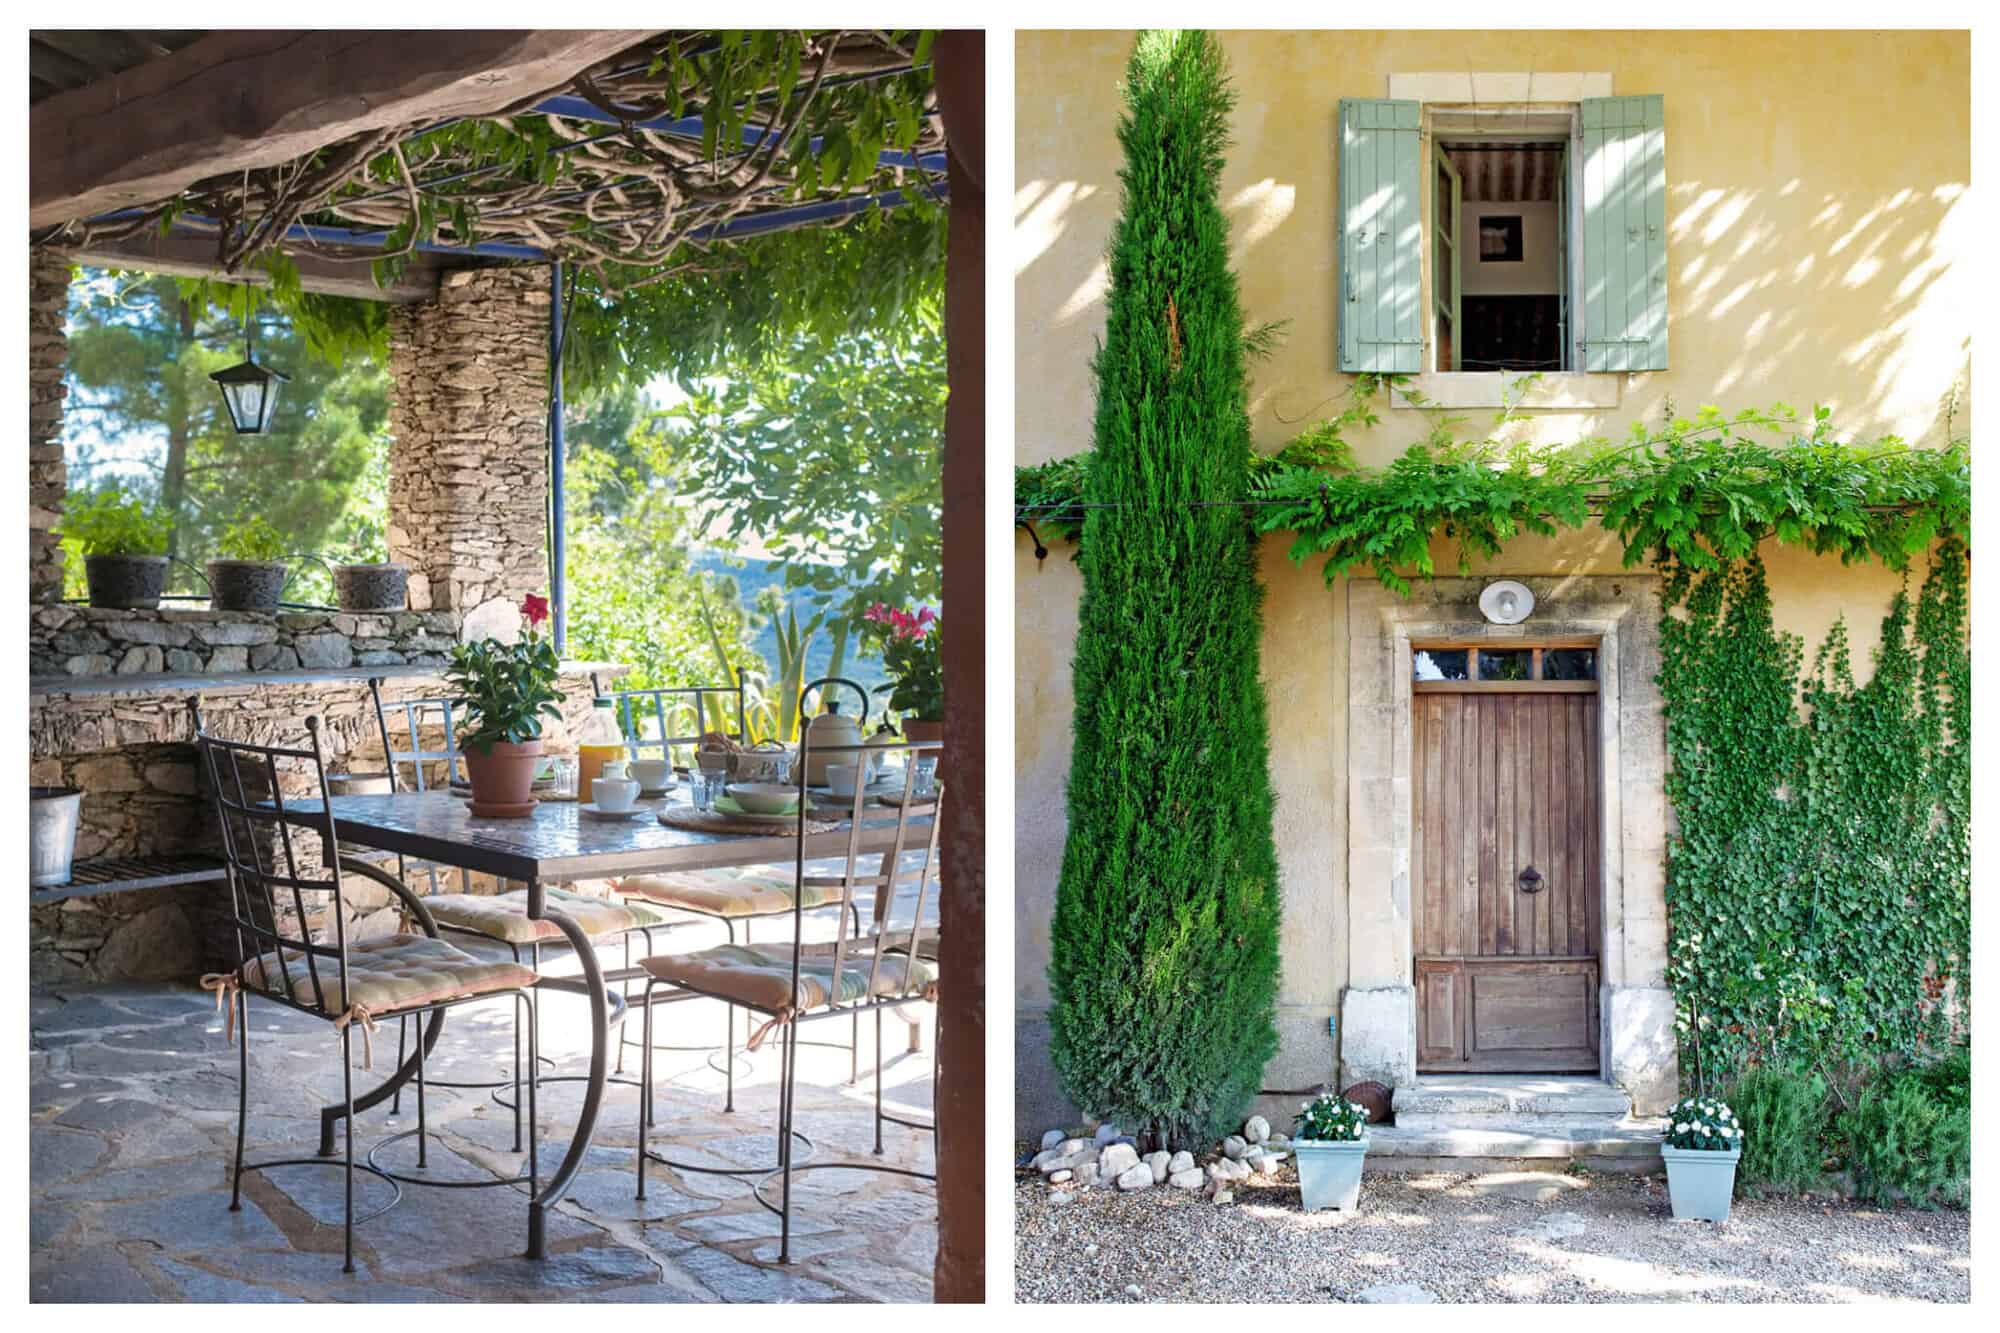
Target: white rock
point(1053, 1139)
point(1090, 1251)
point(1058, 1177)
point(1189, 1179)
point(1180, 1161)
point(1106, 1132)
point(1224, 1196)
point(1158, 1163)
point(1558, 1226)
point(1134, 1291)
point(1138, 1177)
point(1234, 1147)
point(1058, 1197)
point(1117, 1159)
point(1256, 1129)
point(1395, 1293)
point(1086, 1175)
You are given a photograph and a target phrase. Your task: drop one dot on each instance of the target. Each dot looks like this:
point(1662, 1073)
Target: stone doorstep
point(1439, 1101)
point(1621, 1143)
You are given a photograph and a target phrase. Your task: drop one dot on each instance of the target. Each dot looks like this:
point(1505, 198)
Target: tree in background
point(143, 418)
point(1164, 950)
point(830, 456)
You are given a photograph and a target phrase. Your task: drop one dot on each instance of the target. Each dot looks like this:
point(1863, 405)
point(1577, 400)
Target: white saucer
point(591, 809)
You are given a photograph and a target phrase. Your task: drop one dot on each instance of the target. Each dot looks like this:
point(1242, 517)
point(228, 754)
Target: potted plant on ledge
point(249, 573)
point(913, 655)
point(1330, 1142)
point(124, 550)
point(1702, 1144)
point(508, 689)
point(378, 586)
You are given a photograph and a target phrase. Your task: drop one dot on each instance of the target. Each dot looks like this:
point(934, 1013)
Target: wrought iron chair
point(797, 983)
point(350, 985)
point(499, 918)
point(733, 897)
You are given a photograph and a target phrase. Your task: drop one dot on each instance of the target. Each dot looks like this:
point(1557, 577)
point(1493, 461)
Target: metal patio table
point(557, 845)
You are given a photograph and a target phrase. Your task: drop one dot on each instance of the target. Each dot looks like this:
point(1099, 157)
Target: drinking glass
point(922, 783)
point(702, 786)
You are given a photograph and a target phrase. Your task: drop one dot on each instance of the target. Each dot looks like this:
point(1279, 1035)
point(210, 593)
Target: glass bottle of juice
point(597, 740)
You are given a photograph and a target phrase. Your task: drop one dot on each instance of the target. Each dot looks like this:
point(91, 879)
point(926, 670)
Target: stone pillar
point(48, 354)
point(468, 462)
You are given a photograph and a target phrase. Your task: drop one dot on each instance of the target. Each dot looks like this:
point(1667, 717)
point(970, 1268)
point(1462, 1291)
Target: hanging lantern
point(249, 391)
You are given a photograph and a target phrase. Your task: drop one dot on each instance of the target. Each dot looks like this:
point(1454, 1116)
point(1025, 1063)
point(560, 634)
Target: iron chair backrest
point(884, 937)
point(259, 835)
point(632, 714)
point(414, 712)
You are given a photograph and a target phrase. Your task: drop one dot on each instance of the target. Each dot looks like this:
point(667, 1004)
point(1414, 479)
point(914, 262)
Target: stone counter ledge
point(90, 642)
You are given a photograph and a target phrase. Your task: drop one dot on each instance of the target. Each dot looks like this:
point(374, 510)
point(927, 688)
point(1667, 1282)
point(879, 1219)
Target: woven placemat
point(715, 821)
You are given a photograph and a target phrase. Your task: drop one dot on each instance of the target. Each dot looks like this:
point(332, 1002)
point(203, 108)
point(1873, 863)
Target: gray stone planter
point(126, 582)
point(1330, 1172)
point(52, 819)
point(1701, 1181)
point(372, 587)
point(246, 585)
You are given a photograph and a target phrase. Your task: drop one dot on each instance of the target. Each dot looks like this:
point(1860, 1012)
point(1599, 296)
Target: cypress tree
point(1163, 964)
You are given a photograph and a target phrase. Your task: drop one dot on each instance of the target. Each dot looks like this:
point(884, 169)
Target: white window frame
point(1517, 106)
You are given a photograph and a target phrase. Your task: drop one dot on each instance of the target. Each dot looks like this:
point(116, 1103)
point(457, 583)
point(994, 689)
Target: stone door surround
point(1378, 1037)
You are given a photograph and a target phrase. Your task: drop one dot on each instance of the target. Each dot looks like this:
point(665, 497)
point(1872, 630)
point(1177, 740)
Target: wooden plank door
point(1506, 867)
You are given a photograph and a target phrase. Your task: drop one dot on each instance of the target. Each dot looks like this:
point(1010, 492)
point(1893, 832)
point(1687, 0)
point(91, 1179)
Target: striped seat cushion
point(504, 916)
point(725, 893)
point(759, 976)
point(387, 974)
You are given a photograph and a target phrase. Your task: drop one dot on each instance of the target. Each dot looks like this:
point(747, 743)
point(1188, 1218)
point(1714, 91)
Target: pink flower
point(534, 609)
point(877, 613)
point(925, 616)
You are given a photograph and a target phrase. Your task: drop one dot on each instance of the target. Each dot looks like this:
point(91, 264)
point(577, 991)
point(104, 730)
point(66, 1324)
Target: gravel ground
point(1540, 1238)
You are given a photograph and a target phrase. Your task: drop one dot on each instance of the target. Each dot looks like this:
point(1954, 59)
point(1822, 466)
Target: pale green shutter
point(1381, 237)
point(1622, 313)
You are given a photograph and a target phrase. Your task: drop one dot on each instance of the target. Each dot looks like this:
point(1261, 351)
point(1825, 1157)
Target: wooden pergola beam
point(194, 257)
point(243, 99)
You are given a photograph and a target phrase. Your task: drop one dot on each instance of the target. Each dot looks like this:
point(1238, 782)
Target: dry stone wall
point(48, 354)
point(468, 465)
point(90, 641)
point(133, 757)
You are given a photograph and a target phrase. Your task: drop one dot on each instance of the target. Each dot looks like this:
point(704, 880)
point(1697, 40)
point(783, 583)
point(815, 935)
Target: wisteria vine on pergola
point(631, 173)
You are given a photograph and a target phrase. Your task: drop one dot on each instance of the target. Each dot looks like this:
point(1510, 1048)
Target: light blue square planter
point(1329, 1172)
point(1701, 1181)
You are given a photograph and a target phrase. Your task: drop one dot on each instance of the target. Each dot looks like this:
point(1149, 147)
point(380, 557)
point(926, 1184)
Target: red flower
point(925, 616)
point(534, 609)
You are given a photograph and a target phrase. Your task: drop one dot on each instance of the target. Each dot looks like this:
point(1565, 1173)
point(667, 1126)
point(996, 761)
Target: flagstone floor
point(133, 1093)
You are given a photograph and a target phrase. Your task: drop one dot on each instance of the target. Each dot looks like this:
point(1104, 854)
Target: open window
point(1512, 239)
point(1507, 272)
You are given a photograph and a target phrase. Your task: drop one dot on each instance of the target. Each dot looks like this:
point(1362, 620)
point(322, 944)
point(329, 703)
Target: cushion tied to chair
point(358, 1013)
point(225, 985)
point(777, 1020)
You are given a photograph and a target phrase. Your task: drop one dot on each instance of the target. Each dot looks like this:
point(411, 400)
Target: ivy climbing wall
point(1819, 888)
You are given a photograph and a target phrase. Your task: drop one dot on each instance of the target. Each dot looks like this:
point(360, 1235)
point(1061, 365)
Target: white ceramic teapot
point(832, 729)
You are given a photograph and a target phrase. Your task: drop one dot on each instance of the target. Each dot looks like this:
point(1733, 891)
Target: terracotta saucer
point(507, 811)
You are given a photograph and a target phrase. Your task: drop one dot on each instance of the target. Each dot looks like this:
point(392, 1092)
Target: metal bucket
point(52, 821)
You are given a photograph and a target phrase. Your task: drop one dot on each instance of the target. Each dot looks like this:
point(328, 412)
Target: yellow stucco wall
point(1816, 204)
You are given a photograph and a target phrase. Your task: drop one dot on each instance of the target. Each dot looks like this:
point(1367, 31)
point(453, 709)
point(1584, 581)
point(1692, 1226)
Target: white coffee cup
point(840, 778)
point(614, 794)
point(653, 774)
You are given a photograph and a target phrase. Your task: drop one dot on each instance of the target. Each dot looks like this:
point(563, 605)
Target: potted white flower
point(1330, 1141)
point(1702, 1144)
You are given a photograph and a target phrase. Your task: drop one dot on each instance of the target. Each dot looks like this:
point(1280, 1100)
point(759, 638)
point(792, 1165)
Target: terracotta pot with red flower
point(508, 689)
point(912, 646)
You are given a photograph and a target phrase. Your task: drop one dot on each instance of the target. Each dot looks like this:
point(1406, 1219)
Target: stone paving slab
point(133, 1103)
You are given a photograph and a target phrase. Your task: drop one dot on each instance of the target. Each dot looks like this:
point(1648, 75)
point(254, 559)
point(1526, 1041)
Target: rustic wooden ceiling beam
point(236, 100)
point(194, 257)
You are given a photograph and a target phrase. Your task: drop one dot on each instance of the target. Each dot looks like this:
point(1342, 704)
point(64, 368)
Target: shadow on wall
point(1805, 264)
